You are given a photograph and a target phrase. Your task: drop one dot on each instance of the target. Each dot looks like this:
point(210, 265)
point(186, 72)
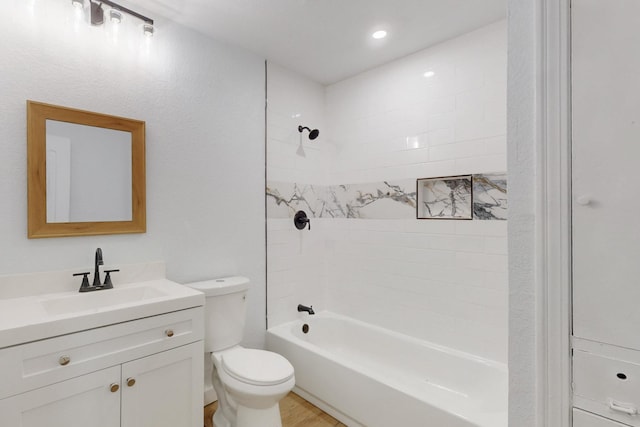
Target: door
point(606, 171)
point(165, 389)
point(89, 400)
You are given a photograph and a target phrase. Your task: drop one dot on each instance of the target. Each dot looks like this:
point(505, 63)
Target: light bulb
point(115, 16)
point(428, 74)
point(148, 30)
point(78, 4)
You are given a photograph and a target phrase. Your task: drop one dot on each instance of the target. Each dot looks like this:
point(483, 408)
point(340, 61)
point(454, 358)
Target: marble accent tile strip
point(382, 200)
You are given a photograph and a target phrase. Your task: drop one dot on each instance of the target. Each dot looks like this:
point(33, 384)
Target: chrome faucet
point(86, 287)
point(305, 308)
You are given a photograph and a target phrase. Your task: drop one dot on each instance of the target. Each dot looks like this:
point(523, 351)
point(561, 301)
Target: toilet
point(249, 383)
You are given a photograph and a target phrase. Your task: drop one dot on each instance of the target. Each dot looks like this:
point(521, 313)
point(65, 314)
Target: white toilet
point(249, 383)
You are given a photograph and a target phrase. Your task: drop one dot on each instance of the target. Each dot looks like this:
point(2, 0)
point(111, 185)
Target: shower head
point(313, 134)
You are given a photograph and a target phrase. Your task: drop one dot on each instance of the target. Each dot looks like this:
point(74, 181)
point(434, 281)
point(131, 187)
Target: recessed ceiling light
point(428, 74)
point(379, 34)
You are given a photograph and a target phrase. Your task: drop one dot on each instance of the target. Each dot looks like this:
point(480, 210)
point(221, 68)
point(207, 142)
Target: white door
point(606, 170)
point(84, 401)
point(165, 389)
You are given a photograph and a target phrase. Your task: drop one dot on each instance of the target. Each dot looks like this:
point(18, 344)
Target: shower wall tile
point(293, 100)
point(390, 200)
point(366, 255)
point(490, 196)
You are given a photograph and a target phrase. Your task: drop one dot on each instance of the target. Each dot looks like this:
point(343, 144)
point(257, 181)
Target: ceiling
point(329, 40)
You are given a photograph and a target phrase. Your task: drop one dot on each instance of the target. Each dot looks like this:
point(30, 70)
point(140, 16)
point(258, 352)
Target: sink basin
point(99, 300)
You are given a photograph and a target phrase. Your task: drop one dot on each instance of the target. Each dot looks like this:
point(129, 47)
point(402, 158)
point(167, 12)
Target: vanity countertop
point(36, 317)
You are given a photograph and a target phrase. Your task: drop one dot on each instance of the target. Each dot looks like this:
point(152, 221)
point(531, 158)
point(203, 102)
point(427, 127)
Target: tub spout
point(305, 308)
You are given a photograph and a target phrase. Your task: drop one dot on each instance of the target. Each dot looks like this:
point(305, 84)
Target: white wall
point(443, 281)
point(525, 297)
point(203, 102)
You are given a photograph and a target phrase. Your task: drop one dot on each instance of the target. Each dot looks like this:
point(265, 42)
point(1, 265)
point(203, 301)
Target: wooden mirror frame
point(37, 115)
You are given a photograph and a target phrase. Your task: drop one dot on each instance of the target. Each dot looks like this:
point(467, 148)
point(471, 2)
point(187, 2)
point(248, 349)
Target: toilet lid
point(258, 367)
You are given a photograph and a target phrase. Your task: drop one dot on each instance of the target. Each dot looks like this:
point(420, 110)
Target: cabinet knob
point(64, 360)
point(584, 200)
point(169, 333)
point(114, 387)
point(131, 382)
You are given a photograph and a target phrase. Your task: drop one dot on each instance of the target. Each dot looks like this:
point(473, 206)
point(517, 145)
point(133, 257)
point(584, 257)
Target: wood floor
point(295, 412)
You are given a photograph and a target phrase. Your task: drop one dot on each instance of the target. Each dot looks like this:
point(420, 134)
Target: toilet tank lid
point(221, 286)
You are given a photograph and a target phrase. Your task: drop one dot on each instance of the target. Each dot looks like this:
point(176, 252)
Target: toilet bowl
point(249, 383)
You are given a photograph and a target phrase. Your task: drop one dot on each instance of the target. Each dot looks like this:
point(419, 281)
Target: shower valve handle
point(300, 220)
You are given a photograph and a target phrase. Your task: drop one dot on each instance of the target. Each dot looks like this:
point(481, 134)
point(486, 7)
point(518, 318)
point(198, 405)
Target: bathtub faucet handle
point(309, 309)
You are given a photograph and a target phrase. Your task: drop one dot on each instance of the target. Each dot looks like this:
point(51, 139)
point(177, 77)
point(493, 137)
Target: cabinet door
point(79, 402)
point(606, 151)
point(165, 389)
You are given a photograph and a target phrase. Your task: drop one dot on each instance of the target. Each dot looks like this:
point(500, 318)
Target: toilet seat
point(256, 367)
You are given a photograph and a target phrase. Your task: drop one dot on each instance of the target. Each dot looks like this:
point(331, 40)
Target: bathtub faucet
point(305, 308)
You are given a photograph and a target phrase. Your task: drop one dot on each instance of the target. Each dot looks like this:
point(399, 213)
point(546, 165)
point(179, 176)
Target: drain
point(305, 328)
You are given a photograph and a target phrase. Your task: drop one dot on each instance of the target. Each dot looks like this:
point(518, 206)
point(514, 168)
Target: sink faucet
point(99, 262)
point(305, 308)
point(86, 287)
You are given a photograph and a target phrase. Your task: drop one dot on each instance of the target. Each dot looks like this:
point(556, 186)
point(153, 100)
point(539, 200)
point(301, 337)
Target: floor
point(295, 412)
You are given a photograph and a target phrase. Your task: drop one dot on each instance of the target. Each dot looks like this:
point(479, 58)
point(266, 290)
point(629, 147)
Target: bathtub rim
point(286, 329)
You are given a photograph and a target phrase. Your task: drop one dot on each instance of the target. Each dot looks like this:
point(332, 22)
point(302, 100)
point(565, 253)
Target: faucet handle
point(107, 279)
point(85, 286)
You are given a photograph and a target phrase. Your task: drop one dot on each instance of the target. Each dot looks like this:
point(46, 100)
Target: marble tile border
point(378, 200)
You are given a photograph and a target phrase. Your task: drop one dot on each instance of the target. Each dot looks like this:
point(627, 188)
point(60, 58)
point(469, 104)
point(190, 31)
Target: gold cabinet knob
point(64, 360)
point(169, 333)
point(114, 387)
point(131, 382)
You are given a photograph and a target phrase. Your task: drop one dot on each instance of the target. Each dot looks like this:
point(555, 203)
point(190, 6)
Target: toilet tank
point(225, 311)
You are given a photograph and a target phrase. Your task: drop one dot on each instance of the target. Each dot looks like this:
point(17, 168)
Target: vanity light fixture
point(115, 14)
point(97, 13)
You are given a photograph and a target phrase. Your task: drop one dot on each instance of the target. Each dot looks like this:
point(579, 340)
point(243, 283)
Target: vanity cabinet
point(78, 402)
point(142, 373)
point(165, 389)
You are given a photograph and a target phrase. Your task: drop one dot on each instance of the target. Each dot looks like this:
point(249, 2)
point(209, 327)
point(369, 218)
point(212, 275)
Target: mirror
point(86, 172)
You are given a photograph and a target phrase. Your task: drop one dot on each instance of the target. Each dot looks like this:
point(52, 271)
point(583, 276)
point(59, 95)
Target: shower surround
point(366, 255)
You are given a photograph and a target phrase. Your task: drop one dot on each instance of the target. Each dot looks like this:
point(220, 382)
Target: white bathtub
point(369, 376)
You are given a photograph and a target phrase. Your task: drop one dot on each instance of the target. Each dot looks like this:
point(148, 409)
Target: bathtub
point(364, 375)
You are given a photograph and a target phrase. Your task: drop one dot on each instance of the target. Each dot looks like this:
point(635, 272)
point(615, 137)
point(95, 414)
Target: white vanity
point(131, 356)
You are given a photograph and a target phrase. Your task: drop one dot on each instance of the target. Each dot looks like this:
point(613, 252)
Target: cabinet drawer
point(44, 362)
point(585, 419)
point(607, 386)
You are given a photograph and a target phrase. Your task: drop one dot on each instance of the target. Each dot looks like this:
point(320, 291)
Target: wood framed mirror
point(85, 173)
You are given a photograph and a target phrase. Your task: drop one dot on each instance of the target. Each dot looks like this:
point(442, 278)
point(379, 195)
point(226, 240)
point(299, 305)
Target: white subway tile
point(496, 245)
point(441, 136)
point(458, 150)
